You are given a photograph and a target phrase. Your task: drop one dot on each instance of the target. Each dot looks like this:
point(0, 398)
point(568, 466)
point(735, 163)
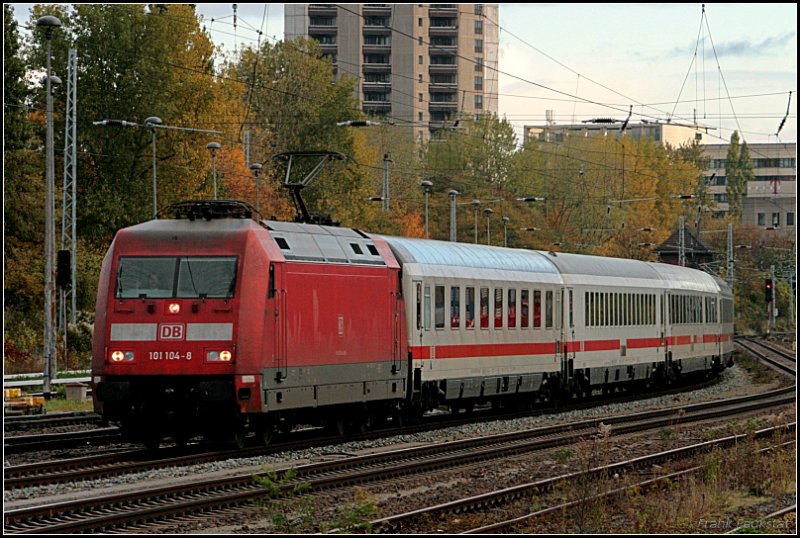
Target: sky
point(727, 66)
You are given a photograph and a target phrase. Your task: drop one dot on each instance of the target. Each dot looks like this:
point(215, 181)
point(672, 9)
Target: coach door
point(419, 298)
point(565, 310)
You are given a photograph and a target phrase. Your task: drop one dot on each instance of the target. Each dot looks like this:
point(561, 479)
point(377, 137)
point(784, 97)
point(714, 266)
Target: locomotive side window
point(470, 300)
point(455, 307)
point(484, 308)
point(439, 313)
point(537, 309)
point(498, 308)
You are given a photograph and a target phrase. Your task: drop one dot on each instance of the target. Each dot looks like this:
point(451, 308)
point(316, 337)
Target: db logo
point(171, 331)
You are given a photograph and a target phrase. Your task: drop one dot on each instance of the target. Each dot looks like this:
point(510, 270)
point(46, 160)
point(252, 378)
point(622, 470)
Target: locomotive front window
point(145, 277)
point(212, 277)
point(169, 276)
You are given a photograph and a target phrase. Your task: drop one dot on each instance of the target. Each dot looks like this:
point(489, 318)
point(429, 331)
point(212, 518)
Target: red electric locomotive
point(213, 323)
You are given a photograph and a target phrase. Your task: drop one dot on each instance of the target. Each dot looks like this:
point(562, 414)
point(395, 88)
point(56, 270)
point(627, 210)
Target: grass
point(59, 405)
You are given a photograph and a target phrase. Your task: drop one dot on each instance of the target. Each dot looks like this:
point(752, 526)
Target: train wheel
point(267, 434)
point(238, 438)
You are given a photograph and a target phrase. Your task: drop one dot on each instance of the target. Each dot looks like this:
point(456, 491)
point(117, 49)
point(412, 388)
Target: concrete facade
point(419, 64)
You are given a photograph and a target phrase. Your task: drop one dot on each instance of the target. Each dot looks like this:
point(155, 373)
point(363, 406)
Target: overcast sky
point(732, 69)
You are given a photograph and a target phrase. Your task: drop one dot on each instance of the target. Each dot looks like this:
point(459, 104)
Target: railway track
point(26, 423)
point(483, 505)
point(776, 357)
point(130, 461)
point(108, 512)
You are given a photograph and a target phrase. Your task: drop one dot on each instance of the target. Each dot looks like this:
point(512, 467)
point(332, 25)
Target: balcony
point(440, 88)
point(322, 10)
point(442, 10)
point(443, 107)
point(442, 69)
point(376, 10)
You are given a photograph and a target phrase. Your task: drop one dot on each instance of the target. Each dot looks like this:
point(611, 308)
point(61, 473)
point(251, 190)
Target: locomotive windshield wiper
point(191, 277)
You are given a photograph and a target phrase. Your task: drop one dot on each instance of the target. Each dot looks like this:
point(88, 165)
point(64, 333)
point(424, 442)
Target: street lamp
point(475, 205)
point(505, 230)
point(151, 123)
point(214, 146)
point(426, 186)
point(488, 212)
point(453, 230)
point(256, 168)
point(49, 23)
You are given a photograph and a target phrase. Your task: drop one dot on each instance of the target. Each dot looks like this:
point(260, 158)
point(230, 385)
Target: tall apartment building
point(425, 64)
point(771, 199)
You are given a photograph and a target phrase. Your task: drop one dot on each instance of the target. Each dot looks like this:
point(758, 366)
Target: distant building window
point(761, 219)
point(420, 40)
point(776, 219)
point(478, 9)
point(479, 45)
point(478, 27)
point(420, 60)
point(478, 64)
point(419, 21)
point(479, 101)
point(420, 98)
point(478, 83)
point(420, 77)
point(790, 219)
point(420, 116)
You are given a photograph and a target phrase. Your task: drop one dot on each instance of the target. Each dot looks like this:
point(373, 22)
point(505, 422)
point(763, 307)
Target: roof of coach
point(317, 243)
point(445, 253)
point(599, 266)
point(682, 278)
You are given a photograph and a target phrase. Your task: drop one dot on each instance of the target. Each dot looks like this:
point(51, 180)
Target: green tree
point(738, 171)
point(292, 102)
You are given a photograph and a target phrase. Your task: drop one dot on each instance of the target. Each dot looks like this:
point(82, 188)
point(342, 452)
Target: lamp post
point(505, 230)
point(475, 205)
point(49, 23)
point(453, 229)
point(256, 168)
point(488, 212)
point(426, 186)
point(213, 147)
point(151, 123)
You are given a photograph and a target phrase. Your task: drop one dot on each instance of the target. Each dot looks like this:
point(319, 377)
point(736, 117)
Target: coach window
point(427, 308)
point(524, 297)
point(548, 309)
point(439, 312)
point(512, 308)
point(498, 308)
point(484, 308)
point(455, 307)
point(470, 304)
point(537, 309)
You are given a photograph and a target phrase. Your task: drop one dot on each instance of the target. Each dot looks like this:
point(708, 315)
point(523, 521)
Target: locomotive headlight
point(174, 308)
point(122, 356)
point(219, 355)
